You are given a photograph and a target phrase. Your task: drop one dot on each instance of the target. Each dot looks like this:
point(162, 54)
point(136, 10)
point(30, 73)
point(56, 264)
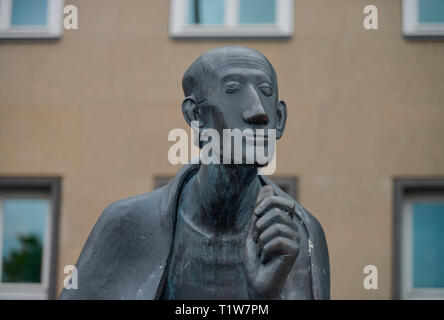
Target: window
point(423, 18)
point(28, 225)
point(419, 223)
point(231, 18)
point(31, 18)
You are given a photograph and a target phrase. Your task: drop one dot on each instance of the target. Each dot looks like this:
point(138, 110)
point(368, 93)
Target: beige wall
point(364, 106)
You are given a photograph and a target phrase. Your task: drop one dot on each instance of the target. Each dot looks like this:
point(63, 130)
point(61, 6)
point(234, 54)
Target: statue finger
point(275, 231)
point(273, 216)
point(284, 248)
point(265, 192)
point(287, 205)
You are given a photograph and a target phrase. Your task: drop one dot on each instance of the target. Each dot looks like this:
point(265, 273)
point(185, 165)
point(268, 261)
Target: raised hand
point(272, 245)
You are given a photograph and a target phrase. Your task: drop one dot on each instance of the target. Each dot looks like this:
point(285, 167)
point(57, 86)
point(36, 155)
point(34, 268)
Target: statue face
point(240, 93)
point(242, 97)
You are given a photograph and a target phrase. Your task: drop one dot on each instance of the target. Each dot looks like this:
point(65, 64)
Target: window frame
point(41, 188)
point(411, 27)
point(407, 192)
point(53, 28)
point(231, 29)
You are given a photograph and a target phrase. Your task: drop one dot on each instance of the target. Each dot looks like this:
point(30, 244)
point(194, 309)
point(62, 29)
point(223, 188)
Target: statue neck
point(226, 196)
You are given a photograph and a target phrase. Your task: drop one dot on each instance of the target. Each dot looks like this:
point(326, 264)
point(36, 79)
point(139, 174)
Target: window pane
point(257, 11)
point(206, 11)
point(29, 12)
point(431, 11)
point(23, 234)
point(428, 245)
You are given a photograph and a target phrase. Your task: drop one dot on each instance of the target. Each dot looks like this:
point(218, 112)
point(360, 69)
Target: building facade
point(85, 117)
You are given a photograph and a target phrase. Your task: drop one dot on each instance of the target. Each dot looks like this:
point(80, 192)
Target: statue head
point(233, 88)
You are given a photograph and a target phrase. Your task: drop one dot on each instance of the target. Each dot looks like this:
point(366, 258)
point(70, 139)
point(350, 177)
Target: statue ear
point(281, 119)
point(190, 110)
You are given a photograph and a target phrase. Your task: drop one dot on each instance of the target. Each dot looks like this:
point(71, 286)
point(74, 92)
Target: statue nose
point(256, 114)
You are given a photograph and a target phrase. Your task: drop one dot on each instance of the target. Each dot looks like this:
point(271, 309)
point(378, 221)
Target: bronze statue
point(216, 231)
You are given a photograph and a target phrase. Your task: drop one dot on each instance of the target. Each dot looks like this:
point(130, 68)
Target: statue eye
point(232, 87)
point(266, 89)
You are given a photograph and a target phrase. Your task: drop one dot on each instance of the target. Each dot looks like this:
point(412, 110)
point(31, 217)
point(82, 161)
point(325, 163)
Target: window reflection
point(206, 11)
point(431, 11)
point(428, 245)
point(29, 12)
point(257, 11)
point(24, 228)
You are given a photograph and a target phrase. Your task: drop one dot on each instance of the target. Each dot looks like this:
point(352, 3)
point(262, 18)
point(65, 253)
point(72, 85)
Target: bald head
point(215, 61)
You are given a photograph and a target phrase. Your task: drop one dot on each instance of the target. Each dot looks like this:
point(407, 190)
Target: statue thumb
point(265, 191)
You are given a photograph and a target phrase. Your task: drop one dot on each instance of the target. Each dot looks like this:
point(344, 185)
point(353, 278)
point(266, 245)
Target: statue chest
point(205, 267)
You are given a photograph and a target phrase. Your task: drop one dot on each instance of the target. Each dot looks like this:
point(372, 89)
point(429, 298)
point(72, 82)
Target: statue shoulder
point(135, 207)
point(127, 230)
point(127, 218)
